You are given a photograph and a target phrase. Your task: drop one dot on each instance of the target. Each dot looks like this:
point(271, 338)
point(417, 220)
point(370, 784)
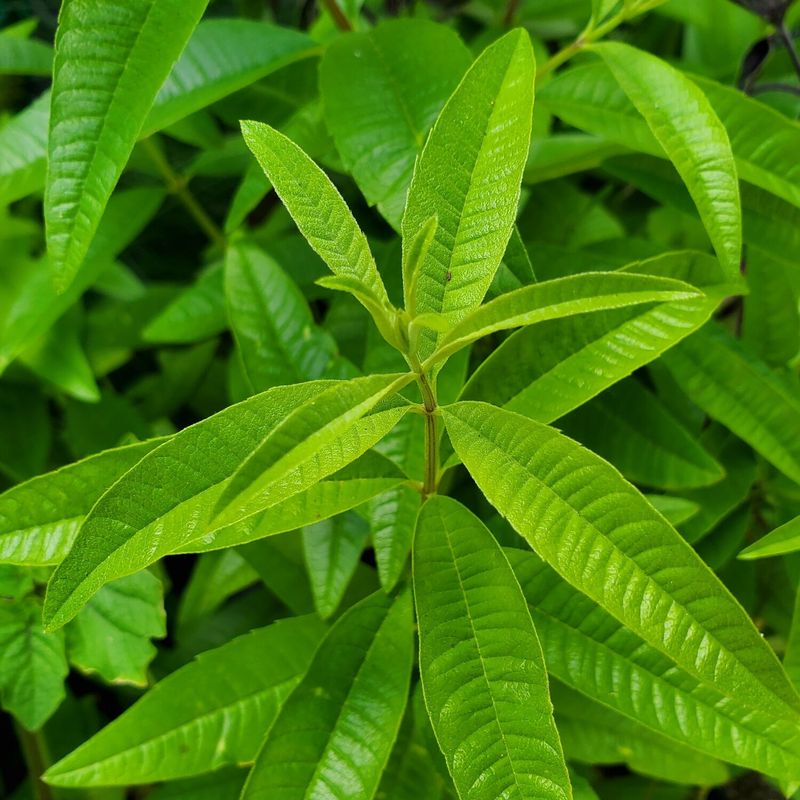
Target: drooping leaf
point(112, 634)
point(210, 713)
point(40, 518)
point(351, 700)
point(588, 649)
point(736, 388)
point(381, 92)
point(481, 662)
point(602, 536)
point(685, 125)
point(98, 107)
point(32, 664)
point(457, 181)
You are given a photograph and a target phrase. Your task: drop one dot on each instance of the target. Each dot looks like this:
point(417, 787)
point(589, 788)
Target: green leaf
point(675, 509)
point(392, 516)
point(481, 662)
point(381, 92)
point(575, 294)
point(596, 735)
point(456, 180)
point(314, 425)
point(602, 536)
point(275, 333)
point(23, 150)
point(210, 713)
point(332, 551)
point(40, 518)
point(221, 57)
point(685, 125)
point(630, 427)
point(783, 539)
point(98, 107)
point(736, 388)
point(32, 664)
point(566, 153)
point(223, 784)
point(351, 700)
point(588, 649)
point(111, 635)
point(547, 371)
point(319, 212)
point(20, 56)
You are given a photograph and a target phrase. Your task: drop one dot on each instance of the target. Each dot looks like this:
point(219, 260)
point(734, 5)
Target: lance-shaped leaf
point(22, 56)
point(601, 535)
point(335, 733)
point(546, 371)
point(481, 662)
point(321, 214)
point(591, 651)
point(209, 713)
point(687, 128)
point(315, 424)
point(596, 735)
point(111, 636)
point(40, 518)
point(368, 476)
point(276, 336)
point(98, 106)
point(561, 297)
point(468, 177)
point(784, 539)
point(739, 390)
point(23, 149)
point(381, 93)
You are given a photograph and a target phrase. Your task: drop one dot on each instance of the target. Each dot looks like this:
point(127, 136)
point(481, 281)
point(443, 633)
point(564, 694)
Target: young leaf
point(276, 336)
point(783, 539)
point(209, 713)
point(351, 700)
point(734, 387)
point(685, 125)
point(602, 536)
point(588, 649)
point(40, 518)
point(487, 121)
point(320, 213)
point(576, 294)
point(98, 106)
point(332, 550)
point(32, 664)
point(381, 92)
point(481, 662)
point(111, 636)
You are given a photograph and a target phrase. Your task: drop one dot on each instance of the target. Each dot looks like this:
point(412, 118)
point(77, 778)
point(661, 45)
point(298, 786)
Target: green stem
point(431, 436)
point(337, 15)
point(176, 184)
point(34, 751)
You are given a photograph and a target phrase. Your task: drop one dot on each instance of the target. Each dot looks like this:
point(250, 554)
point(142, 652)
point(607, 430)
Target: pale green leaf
point(381, 92)
point(736, 388)
point(23, 151)
point(98, 107)
point(685, 125)
point(783, 539)
point(210, 713)
point(351, 701)
point(481, 663)
point(602, 536)
point(112, 634)
point(40, 518)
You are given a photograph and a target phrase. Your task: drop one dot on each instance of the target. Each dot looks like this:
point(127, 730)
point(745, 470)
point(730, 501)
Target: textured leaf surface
point(736, 388)
point(546, 371)
point(481, 662)
point(40, 518)
point(112, 634)
point(350, 701)
point(686, 126)
point(602, 536)
point(381, 93)
point(485, 123)
point(98, 106)
point(32, 664)
point(591, 651)
point(209, 713)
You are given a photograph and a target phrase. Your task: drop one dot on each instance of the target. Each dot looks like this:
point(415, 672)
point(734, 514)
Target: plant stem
point(177, 184)
point(511, 11)
point(34, 752)
point(788, 42)
point(337, 15)
point(431, 436)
